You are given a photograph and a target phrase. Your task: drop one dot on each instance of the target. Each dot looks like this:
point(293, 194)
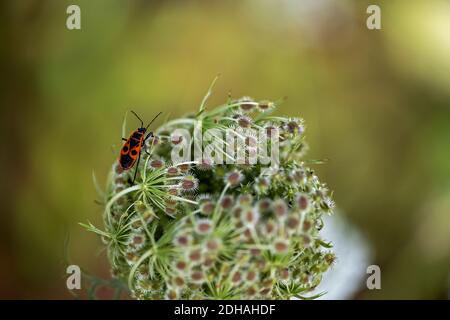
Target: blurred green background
point(376, 104)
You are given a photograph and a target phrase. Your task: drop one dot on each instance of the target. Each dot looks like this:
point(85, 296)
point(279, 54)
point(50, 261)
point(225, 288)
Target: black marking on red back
point(135, 143)
point(138, 134)
point(126, 162)
point(130, 149)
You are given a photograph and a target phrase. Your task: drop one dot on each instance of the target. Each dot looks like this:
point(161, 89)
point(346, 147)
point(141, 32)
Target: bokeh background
point(376, 104)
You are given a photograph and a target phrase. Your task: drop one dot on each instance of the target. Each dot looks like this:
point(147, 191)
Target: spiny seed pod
point(156, 164)
point(233, 178)
point(262, 185)
point(173, 171)
point(265, 106)
point(244, 121)
point(203, 226)
point(207, 207)
point(196, 229)
point(247, 104)
point(205, 165)
point(189, 183)
point(227, 202)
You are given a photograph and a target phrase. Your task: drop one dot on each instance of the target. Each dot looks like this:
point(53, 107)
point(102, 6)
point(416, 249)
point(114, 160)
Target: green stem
point(115, 198)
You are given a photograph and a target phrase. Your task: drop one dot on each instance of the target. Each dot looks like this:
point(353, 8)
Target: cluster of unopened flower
point(195, 230)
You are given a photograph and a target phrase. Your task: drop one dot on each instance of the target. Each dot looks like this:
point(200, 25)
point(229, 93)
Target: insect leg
point(123, 139)
point(137, 167)
point(150, 134)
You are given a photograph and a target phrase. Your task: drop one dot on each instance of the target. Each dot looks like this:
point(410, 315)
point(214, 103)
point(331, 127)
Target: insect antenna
point(142, 122)
point(153, 120)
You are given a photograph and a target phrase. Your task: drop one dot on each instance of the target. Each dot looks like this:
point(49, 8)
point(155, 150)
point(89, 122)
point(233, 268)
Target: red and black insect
point(131, 150)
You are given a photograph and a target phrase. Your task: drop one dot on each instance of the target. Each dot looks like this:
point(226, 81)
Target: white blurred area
point(354, 254)
point(306, 23)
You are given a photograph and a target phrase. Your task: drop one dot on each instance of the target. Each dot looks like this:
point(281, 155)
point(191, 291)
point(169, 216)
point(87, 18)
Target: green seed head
point(196, 229)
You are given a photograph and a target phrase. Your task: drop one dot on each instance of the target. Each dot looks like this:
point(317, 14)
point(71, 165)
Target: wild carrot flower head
point(195, 228)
